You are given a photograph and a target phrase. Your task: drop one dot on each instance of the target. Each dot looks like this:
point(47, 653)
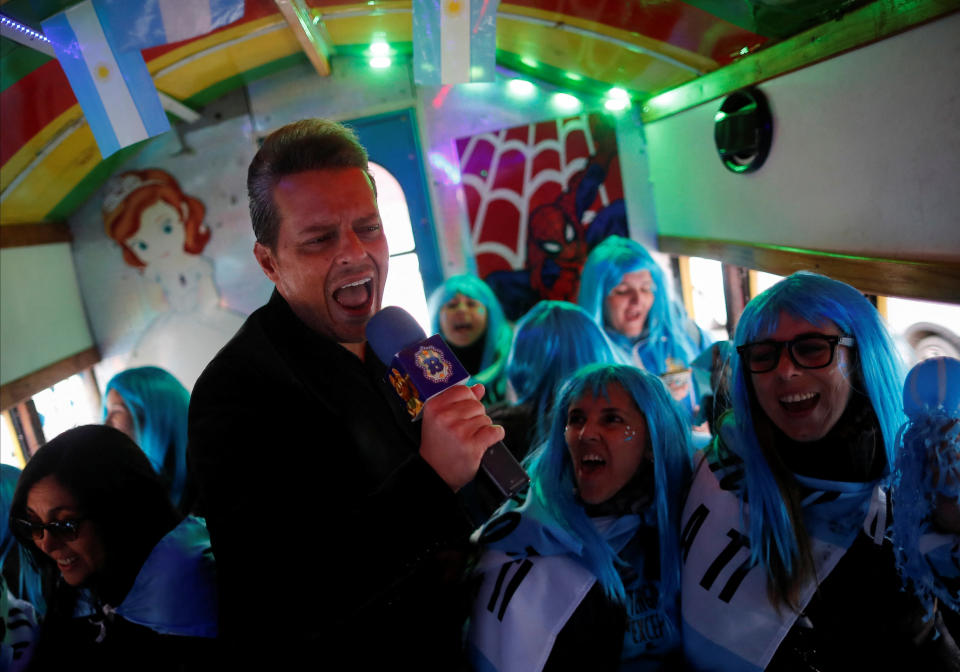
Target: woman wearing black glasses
point(783, 532)
point(130, 585)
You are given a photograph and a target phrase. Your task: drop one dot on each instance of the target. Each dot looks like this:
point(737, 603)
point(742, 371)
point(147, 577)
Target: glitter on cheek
point(628, 433)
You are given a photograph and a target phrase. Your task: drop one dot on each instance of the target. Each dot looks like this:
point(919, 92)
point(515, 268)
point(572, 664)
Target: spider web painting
point(539, 198)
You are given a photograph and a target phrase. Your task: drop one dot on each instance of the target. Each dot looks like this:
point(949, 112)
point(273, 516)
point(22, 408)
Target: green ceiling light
point(616, 104)
point(521, 88)
point(573, 76)
point(616, 93)
point(380, 48)
point(529, 62)
point(565, 102)
point(380, 62)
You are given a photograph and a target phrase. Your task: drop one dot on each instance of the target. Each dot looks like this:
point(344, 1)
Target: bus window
point(761, 282)
point(709, 307)
point(404, 282)
point(65, 405)
point(924, 329)
point(10, 452)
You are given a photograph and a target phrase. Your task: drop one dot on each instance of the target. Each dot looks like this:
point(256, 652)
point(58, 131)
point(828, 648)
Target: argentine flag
point(454, 41)
point(113, 86)
point(148, 23)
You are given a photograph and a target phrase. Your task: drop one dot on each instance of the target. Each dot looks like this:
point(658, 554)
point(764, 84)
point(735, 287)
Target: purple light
point(7, 22)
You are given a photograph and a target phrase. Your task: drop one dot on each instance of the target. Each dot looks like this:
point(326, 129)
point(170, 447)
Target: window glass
point(404, 282)
point(765, 281)
point(709, 306)
point(65, 405)
point(9, 448)
point(924, 329)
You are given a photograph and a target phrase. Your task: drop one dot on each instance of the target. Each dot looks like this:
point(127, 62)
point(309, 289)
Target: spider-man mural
point(539, 198)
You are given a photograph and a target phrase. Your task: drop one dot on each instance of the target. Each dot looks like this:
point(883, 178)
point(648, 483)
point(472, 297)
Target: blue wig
point(928, 474)
point(666, 325)
point(496, 345)
point(29, 586)
point(552, 341)
point(553, 483)
point(158, 403)
point(816, 299)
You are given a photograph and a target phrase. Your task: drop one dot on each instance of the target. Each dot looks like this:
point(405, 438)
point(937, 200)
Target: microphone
point(419, 368)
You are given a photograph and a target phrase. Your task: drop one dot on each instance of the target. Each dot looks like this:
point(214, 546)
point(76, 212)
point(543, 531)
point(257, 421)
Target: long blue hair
point(553, 483)
point(497, 339)
point(605, 267)
point(29, 586)
point(158, 403)
point(552, 341)
point(878, 374)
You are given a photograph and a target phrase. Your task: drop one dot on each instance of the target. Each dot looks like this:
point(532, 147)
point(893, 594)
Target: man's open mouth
point(354, 295)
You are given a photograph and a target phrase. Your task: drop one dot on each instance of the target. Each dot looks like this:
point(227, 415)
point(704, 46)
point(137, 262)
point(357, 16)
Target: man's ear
point(267, 261)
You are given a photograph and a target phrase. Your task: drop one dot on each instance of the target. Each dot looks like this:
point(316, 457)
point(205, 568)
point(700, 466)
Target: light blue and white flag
point(148, 23)
point(454, 41)
point(113, 87)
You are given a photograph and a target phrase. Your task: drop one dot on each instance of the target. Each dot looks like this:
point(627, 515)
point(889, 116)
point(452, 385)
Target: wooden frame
point(930, 280)
point(42, 233)
point(26, 386)
point(859, 28)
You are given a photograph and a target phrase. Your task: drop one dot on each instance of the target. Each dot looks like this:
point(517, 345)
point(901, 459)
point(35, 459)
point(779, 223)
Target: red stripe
point(28, 105)
point(673, 22)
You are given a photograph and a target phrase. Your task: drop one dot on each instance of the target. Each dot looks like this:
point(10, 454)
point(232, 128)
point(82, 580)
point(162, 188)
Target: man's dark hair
point(308, 144)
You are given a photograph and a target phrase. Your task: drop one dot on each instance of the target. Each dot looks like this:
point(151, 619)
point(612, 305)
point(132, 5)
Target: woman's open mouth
point(800, 402)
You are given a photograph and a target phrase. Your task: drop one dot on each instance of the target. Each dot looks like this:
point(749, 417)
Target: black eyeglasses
point(65, 530)
point(808, 351)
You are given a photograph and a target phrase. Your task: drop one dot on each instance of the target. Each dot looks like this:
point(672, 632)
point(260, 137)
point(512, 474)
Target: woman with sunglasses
point(585, 574)
point(783, 531)
point(130, 584)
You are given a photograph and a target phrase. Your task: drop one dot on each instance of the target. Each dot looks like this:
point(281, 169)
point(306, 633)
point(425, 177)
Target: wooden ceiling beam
point(874, 22)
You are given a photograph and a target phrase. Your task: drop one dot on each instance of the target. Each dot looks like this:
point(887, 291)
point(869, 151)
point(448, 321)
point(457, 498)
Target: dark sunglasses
point(65, 530)
point(809, 351)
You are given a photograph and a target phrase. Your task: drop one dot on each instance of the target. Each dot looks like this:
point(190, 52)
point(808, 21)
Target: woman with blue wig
point(466, 312)
point(624, 289)
point(552, 341)
point(149, 405)
point(786, 563)
point(585, 574)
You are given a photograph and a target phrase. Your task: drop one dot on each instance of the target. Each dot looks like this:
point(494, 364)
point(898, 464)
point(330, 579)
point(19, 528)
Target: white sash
point(728, 621)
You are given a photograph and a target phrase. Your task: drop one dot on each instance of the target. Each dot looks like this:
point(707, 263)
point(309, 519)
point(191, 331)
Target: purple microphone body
point(420, 367)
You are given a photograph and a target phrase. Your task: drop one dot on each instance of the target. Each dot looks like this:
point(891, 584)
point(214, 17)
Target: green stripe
point(17, 61)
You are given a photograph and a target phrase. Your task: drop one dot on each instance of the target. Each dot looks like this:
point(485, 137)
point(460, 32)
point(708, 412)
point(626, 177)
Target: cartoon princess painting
point(161, 232)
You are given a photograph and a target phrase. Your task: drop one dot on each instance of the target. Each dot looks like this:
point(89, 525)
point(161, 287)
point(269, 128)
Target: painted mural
point(539, 197)
point(163, 253)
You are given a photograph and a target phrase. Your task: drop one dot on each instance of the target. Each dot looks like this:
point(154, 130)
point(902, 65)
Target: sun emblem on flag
point(102, 71)
point(434, 365)
point(453, 7)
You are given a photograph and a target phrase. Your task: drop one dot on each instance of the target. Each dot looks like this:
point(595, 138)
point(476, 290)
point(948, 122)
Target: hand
point(456, 433)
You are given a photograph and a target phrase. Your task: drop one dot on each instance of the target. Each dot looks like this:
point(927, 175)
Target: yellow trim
point(53, 179)
point(181, 82)
point(204, 43)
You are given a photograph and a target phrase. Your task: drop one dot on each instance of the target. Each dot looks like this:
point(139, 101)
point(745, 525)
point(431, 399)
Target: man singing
point(335, 521)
